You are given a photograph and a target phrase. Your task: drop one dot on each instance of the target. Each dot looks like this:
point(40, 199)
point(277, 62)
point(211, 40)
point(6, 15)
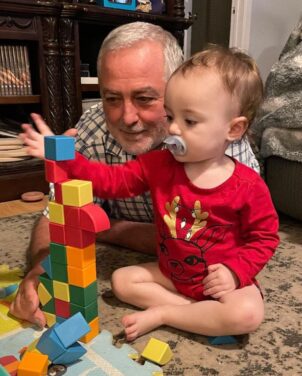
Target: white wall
point(262, 27)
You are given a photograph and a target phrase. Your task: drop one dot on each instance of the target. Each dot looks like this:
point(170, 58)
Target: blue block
point(60, 319)
point(72, 329)
point(46, 265)
point(49, 343)
point(59, 148)
point(73, 353)
point(223, 340)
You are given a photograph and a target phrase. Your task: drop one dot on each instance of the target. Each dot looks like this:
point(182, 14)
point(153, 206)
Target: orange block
point(80, 257)
point(95, 329)
point(33, 364)
point(81, 277)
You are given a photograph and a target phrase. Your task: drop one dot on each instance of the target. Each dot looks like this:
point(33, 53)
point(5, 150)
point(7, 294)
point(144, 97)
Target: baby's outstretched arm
point(34, 140)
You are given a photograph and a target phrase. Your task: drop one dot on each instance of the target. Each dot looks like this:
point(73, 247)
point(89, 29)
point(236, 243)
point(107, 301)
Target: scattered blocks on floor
point(157, 351)
point(223, 340)
point(9, 364)
point(59, 148)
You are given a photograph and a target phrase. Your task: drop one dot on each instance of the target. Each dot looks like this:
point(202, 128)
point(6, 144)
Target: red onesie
point(234, 224)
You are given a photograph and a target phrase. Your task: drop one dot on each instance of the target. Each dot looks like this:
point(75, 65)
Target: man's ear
point(238, 127)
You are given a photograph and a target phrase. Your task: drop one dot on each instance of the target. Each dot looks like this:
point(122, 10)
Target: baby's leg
point(144, 286)
point(238, 312)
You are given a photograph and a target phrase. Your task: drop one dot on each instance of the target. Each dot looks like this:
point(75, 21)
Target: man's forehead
point(149, 90)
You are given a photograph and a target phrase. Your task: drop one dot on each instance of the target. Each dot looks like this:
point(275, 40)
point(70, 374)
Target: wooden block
point(47, 282)
point(94, 330)
point(72, 216)
point(46, 265)
point(50, 344)
point(83, 296)
point(76, 237)
point(57, 233)
point(44, 295)
point(59, 148)
point(157, 351)
point(61, 291)
point(72, 329)
point(81, 257)
point(89, 312)
point(93, 218)
point(49, 307)
point(33, 364)
point(56, 213)
point(77, 193)
point(54, 173)
point(50, 319)
point(58, 253)
point(62, 308)
point(81, 277)
point(59, 272)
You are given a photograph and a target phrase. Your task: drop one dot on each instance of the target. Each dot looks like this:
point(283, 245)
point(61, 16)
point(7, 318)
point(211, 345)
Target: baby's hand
point(220, 281)
point(35, 140)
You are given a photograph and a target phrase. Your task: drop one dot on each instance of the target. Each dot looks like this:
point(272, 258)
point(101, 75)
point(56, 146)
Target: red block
point(54, 173)
point(76, 237)
point(93, 218)
point(72, 216)
point(57, 233)
point(62, 308)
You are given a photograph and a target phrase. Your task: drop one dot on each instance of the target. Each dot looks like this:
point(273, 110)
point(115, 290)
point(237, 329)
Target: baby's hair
point(239, 73)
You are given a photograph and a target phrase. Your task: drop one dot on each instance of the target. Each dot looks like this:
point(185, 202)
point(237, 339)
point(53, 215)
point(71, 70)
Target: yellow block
point(61, 291)
point(95, 329)
point(50, 319)
point(44, 295)
point(77, 192)
point(56, 213)
point(157, 351)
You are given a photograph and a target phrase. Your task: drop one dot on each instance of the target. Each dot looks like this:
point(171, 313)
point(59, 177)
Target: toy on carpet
point(69, 283)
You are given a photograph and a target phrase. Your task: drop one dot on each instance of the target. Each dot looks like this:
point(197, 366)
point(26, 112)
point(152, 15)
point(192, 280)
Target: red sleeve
point(109, 181)
point(259, 226)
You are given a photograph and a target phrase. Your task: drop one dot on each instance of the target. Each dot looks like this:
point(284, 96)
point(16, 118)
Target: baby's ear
point(238, 127)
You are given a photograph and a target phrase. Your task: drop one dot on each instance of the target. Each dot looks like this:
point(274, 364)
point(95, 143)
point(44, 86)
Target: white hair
point(129, 34)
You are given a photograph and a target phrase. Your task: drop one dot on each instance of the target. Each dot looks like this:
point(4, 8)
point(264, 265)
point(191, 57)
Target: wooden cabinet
point(59, 34)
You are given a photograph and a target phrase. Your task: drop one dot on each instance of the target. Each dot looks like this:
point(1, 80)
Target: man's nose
point(130, 114)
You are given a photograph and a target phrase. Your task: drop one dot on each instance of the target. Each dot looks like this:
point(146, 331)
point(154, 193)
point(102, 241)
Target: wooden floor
point(10, 208)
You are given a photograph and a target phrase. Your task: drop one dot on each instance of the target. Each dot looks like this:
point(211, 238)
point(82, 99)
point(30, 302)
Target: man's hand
point(220, 281)
point(35, 140)
point(26, 304)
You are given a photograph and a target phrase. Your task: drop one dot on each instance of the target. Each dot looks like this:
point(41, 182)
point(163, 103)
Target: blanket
point(277, 129)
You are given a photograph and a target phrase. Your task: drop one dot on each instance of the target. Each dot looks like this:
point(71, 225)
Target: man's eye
point(145, 100)
point(111, 99)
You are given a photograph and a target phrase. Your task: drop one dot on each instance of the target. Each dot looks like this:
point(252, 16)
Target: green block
point(58, 253)
point(49, 307)
point(47, 282)
point(83, 296)
point(3, 371)
point(59, 272)
point(89, 312)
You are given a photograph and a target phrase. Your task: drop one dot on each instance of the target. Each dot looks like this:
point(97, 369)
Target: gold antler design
point(200, 220)
point(170, 219)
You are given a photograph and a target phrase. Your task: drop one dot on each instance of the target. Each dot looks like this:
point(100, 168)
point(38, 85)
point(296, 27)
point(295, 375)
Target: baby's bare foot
point(139, 323)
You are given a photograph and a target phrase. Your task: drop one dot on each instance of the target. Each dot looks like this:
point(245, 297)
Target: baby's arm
point(35, 140)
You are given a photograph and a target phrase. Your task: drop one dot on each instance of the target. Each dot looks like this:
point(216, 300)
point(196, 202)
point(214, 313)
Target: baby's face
point(199, 110)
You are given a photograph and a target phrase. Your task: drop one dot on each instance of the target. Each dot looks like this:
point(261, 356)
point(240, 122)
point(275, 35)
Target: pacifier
point(176, 145)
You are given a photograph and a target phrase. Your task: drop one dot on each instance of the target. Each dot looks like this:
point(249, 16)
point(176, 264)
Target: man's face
point(132, 88)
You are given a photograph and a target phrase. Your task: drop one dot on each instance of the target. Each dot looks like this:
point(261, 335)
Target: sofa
point(277, 130)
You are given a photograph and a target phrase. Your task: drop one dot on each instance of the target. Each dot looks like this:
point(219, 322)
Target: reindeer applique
point(188, 232)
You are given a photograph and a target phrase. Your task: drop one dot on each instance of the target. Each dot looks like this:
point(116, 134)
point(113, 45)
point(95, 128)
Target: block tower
point(69, 284)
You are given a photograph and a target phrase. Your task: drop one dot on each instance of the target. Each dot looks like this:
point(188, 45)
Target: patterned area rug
point(276, 347)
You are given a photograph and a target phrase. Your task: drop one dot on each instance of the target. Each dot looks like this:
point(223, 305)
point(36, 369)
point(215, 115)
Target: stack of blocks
point(69, 283)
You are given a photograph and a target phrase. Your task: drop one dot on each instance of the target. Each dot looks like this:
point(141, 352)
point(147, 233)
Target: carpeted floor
point(275, 349)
